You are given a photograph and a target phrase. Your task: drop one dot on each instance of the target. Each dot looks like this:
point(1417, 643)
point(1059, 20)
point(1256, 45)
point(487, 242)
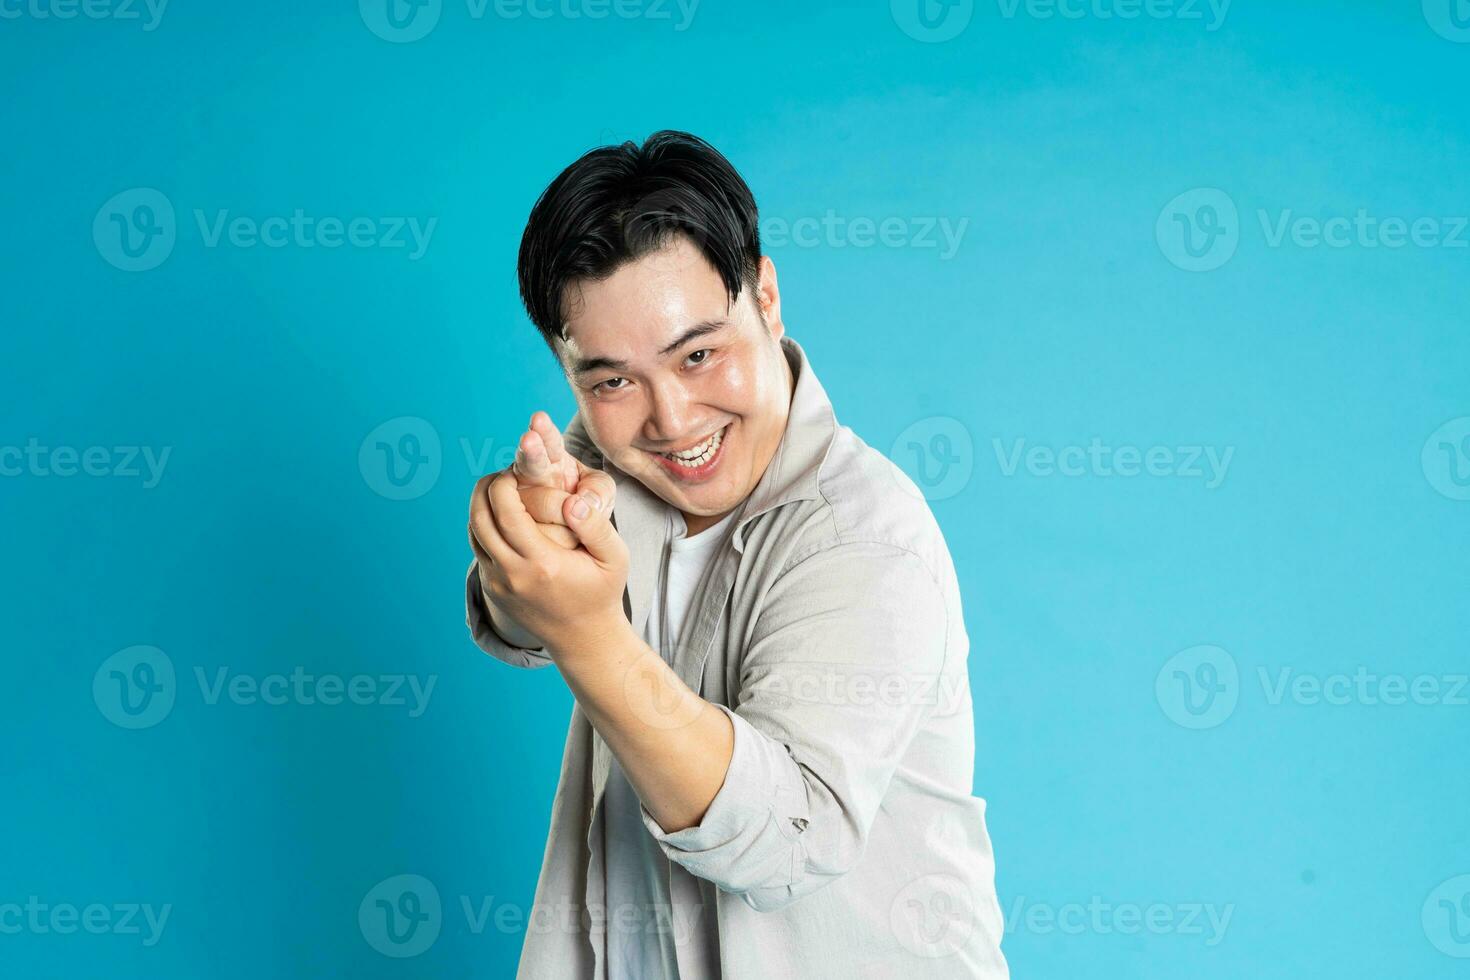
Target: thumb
point(590, 523)
point(590, 480)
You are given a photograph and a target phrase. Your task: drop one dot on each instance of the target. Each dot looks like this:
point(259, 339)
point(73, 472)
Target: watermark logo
point(401, 916)
point(937, 456)
point(1199, 230)
point(1199, 687)
point(400, 21)
point(135, 687)
point(401, 458)
point(135, 230)
point(1446, 459)
point(1450, 19)
point(933, 916)
point(658, 698)
point(932, 21)
point(1446, 917)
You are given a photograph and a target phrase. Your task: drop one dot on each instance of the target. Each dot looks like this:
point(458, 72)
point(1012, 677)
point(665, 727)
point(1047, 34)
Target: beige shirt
point(845, 841)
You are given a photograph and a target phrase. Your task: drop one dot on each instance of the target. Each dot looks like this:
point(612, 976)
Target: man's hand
point(546, 477)
point(572, 599)
point(546, 474)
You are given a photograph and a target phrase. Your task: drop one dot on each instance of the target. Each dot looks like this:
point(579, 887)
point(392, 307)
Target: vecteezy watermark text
point(1201, 230)
point(148, 12)
point(402, 916)
point(39, 918)
point(309, 689)
point(1211, 13)
point(1097, 459)
point(935, 21)
point(406, 21)
point(832, 230)
point(136, 688)
point(136, 230)
point(1200, 687)
point(122, 462)
point(1099, 917)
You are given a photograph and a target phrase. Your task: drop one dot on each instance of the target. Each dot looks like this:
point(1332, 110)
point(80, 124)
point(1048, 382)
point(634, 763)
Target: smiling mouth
point(697, 458)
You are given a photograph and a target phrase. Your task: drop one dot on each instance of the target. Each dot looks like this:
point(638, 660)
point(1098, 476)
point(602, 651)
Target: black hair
point(616, 204)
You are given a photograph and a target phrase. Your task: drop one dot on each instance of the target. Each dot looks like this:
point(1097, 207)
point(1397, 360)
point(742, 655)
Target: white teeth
point(699, 455)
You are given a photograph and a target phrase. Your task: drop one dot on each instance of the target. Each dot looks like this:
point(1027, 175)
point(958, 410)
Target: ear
point(768, 297)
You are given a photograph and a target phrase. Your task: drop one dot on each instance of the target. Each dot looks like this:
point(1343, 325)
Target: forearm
point(674, 746)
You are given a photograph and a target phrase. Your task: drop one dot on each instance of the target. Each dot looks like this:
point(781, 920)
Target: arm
point(674, 746)
point(837, 679)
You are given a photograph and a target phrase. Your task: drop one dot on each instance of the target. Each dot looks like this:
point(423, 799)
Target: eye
point(703, 360)
point(598, 388)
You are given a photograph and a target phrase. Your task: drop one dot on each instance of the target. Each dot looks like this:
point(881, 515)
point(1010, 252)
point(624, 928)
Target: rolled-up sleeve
point(478, 621)
point(835, 681)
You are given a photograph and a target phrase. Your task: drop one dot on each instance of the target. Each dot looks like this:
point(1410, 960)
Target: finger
point(562, 537)
point(562, 461)
point(532, 466)
point(481, 558)
point(544, 504)
point(599, 482)
point(546, 501)
point(551, 438)
point(480, 521)
point(595, 531)
point(516, 527)
point(483, 562)
point(483, 530)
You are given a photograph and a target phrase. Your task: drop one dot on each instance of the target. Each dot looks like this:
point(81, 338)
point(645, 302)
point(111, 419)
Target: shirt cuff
point(755, 818)
point(484, 633)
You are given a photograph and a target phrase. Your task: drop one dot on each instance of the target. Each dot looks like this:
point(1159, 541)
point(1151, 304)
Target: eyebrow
point(581, 366)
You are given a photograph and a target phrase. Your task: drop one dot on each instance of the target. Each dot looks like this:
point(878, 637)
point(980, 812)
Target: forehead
point(644, 305)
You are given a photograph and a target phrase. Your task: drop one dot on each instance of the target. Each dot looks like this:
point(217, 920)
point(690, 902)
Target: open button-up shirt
point(845, 840)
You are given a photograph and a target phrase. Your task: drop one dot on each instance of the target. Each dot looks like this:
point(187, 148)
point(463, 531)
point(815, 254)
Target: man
point(769, 766)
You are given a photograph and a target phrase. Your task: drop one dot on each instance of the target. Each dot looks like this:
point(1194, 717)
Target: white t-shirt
point(642, 942)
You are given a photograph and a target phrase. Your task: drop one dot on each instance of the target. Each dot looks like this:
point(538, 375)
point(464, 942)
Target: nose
point(669, 419)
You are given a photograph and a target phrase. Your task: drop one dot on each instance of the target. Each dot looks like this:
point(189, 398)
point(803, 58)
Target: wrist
point(591, 637)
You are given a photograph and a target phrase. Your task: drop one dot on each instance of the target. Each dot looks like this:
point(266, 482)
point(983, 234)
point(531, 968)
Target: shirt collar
point(810, 427)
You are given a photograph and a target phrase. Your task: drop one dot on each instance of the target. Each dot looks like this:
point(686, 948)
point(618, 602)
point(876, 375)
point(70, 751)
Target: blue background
point(266, 546)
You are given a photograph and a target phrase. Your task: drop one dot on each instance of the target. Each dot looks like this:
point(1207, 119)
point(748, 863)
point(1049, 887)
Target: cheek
point(735, 386)
point(609, 425)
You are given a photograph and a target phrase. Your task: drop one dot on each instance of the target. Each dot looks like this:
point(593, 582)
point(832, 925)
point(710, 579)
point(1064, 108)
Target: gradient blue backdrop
point(1333, 834)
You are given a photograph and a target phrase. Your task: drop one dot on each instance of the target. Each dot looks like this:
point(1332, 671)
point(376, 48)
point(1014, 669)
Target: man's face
point(660, 360)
